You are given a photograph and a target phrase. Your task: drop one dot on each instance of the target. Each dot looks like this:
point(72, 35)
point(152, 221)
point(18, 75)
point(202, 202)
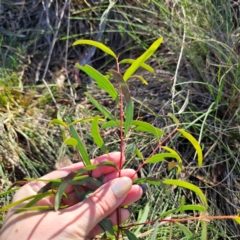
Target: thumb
point(99, 205)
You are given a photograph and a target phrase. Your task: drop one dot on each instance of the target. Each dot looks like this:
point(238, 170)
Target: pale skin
point(80, 220)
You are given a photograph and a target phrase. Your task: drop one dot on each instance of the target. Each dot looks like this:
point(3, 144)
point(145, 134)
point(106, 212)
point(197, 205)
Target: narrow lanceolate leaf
point(130, 235)
point(102, 109)
point(96, 44)
point(189, 186)
point(178, 158)
point(237, 219)
point(125, 90)
point(97, 137)
point(106, 225)
point(139, 61)
point(147, 127)
point(80, 146)
point(101, 80)
point(59, 195)
point(71, 142)
point(83, 120)
point(128, 117)
point(143, 65)
point(58, 122)
point(160, 157)
point(141, 78)
point(149, 180)
point(175, 120)
point(37, 198)
point(185, 230)
point(195, 144)
point(204, 230)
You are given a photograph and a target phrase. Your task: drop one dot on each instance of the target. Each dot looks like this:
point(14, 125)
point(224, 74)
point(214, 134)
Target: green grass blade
point(185, 230)
point(102, 109)
point(204, 230)
point(195, 144)
point(101, 80)
point(80, 146)
point(96, 135)
point(189, 186)
point(96, 44)
point(139, 61)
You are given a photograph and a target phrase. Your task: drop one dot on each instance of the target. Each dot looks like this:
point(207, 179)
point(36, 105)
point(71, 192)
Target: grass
point(197, 79)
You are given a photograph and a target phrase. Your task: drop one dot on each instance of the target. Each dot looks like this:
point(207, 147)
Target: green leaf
point(237, 219)
point(143, 65)
point(96, 44)
point(184, 208)
point(83, 120)
point(58, 122)
point(71, 142)
point(102, 109)
point(175, 120)
point(189, 186)
point(178, 158)
point(59, 194)
point(149, 180)
point(128, 116)
point(185, 230)
point(9, 191)
point(37, 198)
point(42, 208)
point(106, 225)
point(141, 78)
point(96, 136)
point(195, 144)
point(101, 80)
point(80, 146)
point(139, 154)
point(147, 127)
point(160, 157)
point(204, 230)
point(130, 235)
point(142, 217)
point(140, 60)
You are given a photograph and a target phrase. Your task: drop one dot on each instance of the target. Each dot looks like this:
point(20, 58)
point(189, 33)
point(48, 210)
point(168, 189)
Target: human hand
point(79, 221)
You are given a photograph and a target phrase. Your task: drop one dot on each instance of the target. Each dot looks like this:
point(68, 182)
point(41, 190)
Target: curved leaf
point(71, 142)
point(101, 80)
point(58, 122)
point(96, 135)
point(143, 65)
point(187, 185)
point(141, 78)
point(160, 157)
point(96, 44)
point(178, 158)
point(83, 120)
point(195, 144)
point(140, 60)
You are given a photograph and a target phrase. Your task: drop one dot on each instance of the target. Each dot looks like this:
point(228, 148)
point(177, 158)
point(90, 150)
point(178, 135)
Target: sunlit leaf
point(195, 144)
point(102, 81)
point(140, 60)
point(80, 145)
point(97, 137)
point(175, 120)
point(189, 186)
point(160, 157)
point(102, 109)
point(106, 225)
point(141, 78)
point(58, 122)
point(130, 235)
point(178, 158)
point(237, 219)
point(84, 120)
point(71, 142)
point(96, 44)
point(143, 65)
point(184, 208)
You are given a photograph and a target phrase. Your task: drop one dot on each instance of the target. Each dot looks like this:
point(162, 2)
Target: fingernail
point(121, 186)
